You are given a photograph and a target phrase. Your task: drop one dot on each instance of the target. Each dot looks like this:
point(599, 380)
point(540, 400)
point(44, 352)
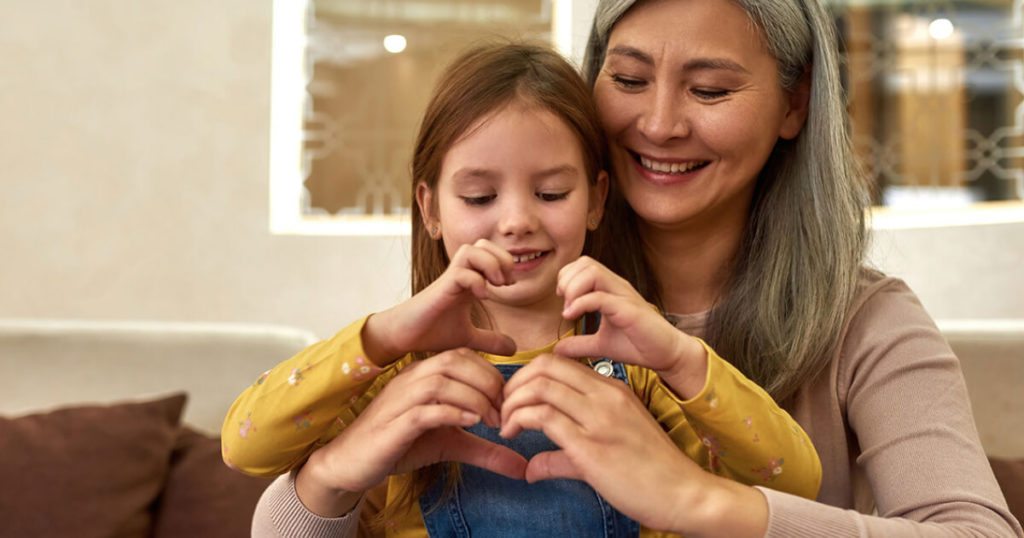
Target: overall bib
point(490, 505)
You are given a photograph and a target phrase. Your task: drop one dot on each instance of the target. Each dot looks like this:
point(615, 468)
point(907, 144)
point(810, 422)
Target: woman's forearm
point(319, 498)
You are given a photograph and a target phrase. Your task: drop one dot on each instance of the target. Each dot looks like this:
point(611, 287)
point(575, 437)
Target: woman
point(742, 210)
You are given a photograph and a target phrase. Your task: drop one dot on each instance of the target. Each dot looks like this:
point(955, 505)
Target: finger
point(481, 261)
point(540, 391)
point(558, 426)
point(463, 365)
point(573, 277)
point(594, 275)
point(568, 371)
point(609, 304)
point(412, 423)
point(468, 278)
point(551, 464)
point(492, 342)
point(505, 259)
point(464, 447)
point(440, 389)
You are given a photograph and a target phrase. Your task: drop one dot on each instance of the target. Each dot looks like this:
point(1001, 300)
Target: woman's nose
point(664, 117)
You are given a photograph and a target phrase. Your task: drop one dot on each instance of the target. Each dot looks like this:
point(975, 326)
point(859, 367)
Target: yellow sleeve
point(301, 404)
point(734, 429)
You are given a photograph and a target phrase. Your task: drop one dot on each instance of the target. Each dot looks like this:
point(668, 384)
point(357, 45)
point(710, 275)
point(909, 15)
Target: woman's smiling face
point(692, 105)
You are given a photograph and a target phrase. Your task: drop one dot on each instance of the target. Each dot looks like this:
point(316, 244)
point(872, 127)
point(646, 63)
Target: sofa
point(111, 428)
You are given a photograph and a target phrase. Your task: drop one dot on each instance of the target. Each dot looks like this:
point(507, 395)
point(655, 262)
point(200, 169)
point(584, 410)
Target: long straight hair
point(797, 268)
point(476, 84)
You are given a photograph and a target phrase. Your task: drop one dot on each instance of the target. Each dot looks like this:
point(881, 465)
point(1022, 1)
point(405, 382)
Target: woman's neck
point(531, 327)
point(691, 265)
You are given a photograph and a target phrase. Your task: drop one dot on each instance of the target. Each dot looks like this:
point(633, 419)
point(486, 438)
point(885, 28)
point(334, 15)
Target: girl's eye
point(710, 95)
point(628, 83)
point(478, 200)
point(552, 196)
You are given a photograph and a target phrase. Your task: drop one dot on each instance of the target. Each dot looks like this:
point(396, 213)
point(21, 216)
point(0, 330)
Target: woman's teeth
point(670, 168)
point(527, 257)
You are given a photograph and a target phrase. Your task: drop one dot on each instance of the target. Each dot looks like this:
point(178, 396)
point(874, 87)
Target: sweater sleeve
point(734, 429)
point(903, 397)
point(301, 404)
point(280, 514)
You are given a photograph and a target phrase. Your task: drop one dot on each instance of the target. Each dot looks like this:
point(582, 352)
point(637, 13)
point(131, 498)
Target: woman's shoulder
point(876, 289)
point(884, 312)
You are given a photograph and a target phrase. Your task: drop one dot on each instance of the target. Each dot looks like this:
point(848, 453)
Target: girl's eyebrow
point(470, 174)
point(467, 174)
point(695, 64)
point(565, 169)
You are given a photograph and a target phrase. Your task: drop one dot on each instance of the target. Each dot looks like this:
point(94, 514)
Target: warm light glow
point(940, 28)
point(394, 43)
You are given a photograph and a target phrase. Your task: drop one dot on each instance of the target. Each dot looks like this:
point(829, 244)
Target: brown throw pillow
point(203, 497)
point(86, 471)
point(1010, 474)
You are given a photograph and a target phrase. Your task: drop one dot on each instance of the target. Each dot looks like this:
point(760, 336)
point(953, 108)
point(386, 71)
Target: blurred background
point(247, 161)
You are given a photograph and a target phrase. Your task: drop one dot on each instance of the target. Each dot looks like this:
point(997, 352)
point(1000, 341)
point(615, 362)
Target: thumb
point(456, 444)
point(492, 342)
point(465, 447)
point(551, 464)
point(578, 346)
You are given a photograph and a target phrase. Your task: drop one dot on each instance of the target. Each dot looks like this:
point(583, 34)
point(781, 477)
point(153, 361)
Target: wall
point(135, 183)
point(959, 272)
point(135, 173)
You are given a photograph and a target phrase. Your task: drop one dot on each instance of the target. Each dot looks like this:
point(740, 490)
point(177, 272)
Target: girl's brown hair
point(479, 82)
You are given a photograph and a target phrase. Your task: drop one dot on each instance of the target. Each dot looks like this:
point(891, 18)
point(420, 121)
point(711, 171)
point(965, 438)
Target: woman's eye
point(628, 83)
point(478, 200)
point(552, 196)
point(710, 94)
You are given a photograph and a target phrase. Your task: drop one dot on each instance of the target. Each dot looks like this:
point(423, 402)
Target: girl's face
point(517, 178)
point(690, 99)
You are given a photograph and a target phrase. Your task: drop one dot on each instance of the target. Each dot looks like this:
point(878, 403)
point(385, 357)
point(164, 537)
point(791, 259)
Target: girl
point(508, 183)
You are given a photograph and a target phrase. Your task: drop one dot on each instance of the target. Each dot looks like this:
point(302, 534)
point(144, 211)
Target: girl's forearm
point(689, 372)
point(377, 342)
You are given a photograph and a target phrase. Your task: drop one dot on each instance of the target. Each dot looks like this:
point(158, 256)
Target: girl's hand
point(416, 420)
point(608, 439)
point(438, 317)
point(631, 331)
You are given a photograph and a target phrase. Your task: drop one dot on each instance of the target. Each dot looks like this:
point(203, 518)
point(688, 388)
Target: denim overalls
point(490, 505)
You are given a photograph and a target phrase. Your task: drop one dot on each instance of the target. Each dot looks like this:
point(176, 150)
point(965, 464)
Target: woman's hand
point(608, 439)
point(631, 331)
point(438, 317)
point(416, 420)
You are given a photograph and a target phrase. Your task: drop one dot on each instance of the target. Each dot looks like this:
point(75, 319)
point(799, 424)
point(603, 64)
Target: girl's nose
point(518, 217)
point(664, 118)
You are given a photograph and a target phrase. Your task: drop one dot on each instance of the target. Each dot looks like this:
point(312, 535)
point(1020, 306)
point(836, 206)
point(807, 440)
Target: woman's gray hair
point(795, 277)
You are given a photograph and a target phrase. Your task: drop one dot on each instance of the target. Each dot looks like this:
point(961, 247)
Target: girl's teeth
point(526, 257)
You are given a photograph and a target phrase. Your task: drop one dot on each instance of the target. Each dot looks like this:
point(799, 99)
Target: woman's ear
point(598, 195)
point(799, 102)
point(428, 209)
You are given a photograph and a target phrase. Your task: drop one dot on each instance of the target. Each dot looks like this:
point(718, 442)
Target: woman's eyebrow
point(695, 64)
point(631, 52)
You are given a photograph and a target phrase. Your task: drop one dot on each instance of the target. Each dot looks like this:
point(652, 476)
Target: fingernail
point(470, 418)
